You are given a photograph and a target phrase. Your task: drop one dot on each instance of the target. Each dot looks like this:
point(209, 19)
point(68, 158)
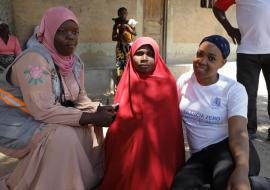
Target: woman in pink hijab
point(47, 121)
point(144, 145)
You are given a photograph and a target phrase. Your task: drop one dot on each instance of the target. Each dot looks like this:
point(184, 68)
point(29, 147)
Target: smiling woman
point(214, 113)
point(209, 59)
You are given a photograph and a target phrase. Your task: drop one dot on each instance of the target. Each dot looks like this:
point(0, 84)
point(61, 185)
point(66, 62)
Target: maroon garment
point(144, 145)
point(224, 4)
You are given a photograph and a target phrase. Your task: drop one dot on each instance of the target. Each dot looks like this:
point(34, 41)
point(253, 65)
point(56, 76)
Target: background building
point(177, 25)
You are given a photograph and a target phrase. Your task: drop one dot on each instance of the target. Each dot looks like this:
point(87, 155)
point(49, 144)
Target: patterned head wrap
point(221, 43)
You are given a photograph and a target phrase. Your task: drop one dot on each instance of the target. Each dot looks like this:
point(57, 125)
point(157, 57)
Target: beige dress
point(64, 156)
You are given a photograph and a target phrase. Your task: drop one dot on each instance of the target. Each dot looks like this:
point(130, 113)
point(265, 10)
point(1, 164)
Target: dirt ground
point(263, 146)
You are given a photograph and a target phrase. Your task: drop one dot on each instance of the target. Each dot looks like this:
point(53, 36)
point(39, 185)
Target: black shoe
point(259, 183)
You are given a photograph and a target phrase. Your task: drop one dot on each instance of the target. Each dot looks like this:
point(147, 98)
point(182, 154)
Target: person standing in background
point(253, 52)
point(120, 28)
point(9, 46)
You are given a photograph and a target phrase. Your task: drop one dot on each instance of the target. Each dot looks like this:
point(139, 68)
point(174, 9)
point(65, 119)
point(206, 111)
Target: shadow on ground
point(262, 146)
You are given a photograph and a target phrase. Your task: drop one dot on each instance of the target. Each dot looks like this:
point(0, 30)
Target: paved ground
point(262, 146)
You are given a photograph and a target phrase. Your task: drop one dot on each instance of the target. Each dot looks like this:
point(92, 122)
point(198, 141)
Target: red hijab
point(144, 145)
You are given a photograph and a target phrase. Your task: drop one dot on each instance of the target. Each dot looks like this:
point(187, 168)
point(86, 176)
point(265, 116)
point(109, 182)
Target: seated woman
point(9, 46)
point(214, 112)
point(45, 113)
point(144, 145)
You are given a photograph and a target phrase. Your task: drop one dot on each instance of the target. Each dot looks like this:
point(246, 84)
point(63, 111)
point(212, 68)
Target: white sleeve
point(178, 87)
point(181, 82)
point(237, 101)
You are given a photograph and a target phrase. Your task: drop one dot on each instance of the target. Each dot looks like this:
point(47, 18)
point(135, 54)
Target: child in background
point(122, 33)
point(129, 31)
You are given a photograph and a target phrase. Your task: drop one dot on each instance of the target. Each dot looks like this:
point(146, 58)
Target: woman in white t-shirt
point(214, 113)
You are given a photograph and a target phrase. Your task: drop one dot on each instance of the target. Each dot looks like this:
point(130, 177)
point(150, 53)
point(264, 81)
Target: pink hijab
point(52, 19)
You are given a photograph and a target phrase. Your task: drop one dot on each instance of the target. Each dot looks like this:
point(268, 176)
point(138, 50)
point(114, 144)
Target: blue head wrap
point(221, 43)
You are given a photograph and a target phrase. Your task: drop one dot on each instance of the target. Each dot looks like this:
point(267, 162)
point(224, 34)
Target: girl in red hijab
point(144, 145)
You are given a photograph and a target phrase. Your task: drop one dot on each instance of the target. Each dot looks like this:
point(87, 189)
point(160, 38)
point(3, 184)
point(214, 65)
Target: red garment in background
point(224, 4)
point(144, 145)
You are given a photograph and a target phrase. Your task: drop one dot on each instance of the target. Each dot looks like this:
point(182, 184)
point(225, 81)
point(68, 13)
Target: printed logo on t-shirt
point(215, 102)
point(203, 118)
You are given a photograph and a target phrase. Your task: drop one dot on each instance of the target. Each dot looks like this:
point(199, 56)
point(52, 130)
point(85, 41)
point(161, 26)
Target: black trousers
point(211, 168)
point(249, 67)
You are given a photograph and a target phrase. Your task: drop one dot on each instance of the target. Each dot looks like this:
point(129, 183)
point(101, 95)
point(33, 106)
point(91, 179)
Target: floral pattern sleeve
point(33, 76)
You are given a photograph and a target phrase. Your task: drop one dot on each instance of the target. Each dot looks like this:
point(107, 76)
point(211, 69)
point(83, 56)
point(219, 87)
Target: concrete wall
point(6, 13)
point(95, 45)
point(187, 24)
point(95, 17)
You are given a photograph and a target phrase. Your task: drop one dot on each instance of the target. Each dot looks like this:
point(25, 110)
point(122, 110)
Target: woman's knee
point(187, 180)
point(220, 182)
point(64, 138)
point(222, 173)
point(259, 183)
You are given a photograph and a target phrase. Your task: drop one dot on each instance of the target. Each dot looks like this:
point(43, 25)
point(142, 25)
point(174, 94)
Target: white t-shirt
point(206, 109)
point(254, 24)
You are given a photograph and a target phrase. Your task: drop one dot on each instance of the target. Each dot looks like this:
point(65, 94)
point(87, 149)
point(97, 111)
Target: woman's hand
point(108, 108)
point(239, 180)
point(103, 117)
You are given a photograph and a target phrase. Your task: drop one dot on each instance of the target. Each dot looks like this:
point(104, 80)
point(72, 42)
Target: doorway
point(155, 22)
